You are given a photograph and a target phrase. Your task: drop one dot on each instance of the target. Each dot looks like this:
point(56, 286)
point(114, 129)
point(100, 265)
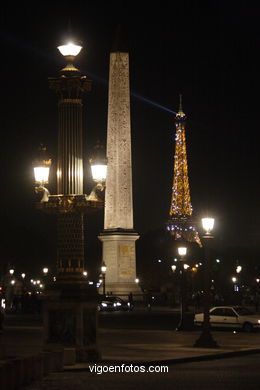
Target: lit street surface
point(132, 336)
point(235, 373)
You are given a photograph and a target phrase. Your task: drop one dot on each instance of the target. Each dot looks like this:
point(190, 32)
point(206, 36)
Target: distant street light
point(85, 273)
point(11, 271)
point(206, 340)
point(23, 275)
point(45, 270)
point(137, 280)
point(103, 273)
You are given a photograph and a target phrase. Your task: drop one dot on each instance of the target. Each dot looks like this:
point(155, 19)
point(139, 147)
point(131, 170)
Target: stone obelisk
point(118, 236)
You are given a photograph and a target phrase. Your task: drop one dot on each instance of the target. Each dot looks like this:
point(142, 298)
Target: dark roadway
point(229, 373)
point(164, 319)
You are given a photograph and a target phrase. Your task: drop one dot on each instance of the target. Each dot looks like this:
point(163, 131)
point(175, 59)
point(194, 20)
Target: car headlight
point(104, 304)
point(114, 304)
point(258, 321)
point(118, 304)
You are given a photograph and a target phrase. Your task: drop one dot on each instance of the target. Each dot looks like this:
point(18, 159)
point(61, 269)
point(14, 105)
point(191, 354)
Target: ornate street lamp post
point(182, 251)
point(70, 302)
point(206, 340)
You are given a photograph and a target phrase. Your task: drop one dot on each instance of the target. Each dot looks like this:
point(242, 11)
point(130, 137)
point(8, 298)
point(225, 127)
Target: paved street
point(147, 343)
point(135, 336)
point(235, 373)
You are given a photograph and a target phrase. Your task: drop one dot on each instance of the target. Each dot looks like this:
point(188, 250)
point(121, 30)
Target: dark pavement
point(138, 337)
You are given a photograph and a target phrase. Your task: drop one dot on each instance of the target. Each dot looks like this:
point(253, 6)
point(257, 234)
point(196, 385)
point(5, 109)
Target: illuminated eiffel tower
point(180, 224)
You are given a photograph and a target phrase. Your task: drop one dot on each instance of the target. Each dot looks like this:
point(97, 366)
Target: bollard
point(9, 375)
point(3, 384)
point(27, 367)
point(47, 362)
point(38, 366)
point(19, 374)
point(57, 356)
point(69, 356)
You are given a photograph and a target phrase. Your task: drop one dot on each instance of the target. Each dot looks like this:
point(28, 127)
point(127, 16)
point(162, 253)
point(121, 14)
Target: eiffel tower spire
point(180, 224)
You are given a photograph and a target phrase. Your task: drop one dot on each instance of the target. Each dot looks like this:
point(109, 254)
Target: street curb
point(191, 359)
point(223, 355)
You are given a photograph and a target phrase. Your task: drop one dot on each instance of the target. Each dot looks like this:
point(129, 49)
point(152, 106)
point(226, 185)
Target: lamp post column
point(70, 87)
point(70, 315)
point(206, 340)
point(181, 326)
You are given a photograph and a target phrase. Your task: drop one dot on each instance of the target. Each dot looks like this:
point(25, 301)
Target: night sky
point(207, 51)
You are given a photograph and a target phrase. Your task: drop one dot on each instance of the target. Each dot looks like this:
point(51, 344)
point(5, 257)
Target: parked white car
point(231, 317)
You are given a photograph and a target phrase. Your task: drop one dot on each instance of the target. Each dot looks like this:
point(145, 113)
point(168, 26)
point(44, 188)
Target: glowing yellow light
point(208, 224)
point(182, 251)
point(70, 49)
point(41, 174)
point(99, 172)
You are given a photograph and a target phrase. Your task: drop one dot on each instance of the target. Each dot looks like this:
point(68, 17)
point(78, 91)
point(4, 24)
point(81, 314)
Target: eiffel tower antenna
point(180, 105)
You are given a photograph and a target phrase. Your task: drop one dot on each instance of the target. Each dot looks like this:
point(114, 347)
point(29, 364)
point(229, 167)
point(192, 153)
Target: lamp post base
point(205, 341)
point(70, 319)
point(182, 326)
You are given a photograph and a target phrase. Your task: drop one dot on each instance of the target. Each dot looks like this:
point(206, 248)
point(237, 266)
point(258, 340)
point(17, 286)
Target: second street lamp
point(206, 340)
point(182, 251)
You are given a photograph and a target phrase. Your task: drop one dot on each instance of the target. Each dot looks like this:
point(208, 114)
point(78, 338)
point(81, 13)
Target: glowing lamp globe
point(98, 163)
point(41, 174)
point(208, 224)
point(103, 268)
point(182, 251)
point(41, 166)
point(70, 49)
point(99, 172)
